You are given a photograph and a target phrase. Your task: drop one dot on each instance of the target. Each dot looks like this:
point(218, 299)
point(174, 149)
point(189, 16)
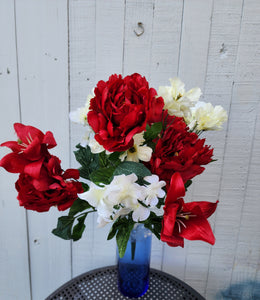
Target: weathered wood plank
point(247, 254)
point(43, 76)
point(82, 38)
point(109, 58)
point(189, 263)
point(14, 259)
point(100, 40)
point(223, 48)
point(137, 49)
point(166, 31)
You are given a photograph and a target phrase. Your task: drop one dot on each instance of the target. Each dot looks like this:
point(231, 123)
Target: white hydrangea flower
point(138, 151)
point(154, 190)
point(126, 191)
point(140, 213)
point(208, 117)
point(176, 100)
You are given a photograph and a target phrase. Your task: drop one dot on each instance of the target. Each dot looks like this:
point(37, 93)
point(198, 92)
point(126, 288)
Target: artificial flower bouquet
point(139, 155)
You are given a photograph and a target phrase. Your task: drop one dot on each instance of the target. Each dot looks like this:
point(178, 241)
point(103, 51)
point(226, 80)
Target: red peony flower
point(29, 151)
point(185, 220)
point(179, 150)
point(51, 188)
point(121, 108)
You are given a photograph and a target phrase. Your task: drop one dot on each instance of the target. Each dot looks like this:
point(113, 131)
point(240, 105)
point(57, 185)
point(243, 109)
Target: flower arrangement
point(140, 153)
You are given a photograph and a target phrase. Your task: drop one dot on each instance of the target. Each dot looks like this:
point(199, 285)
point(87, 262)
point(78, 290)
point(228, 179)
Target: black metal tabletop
point(101, 284)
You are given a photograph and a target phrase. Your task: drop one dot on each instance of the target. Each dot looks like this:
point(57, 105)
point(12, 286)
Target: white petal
point(144, 153)
point(141, 213)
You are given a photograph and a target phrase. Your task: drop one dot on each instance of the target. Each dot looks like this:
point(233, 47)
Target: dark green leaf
point(79, 228)
point(152, 132)
point(89, 161)
point(103, 159)
point(64, 227)
point(114, 157)
point(112, 232)
point(78, 206)
point(187, 184)
point(119, 222)
point(154, 223)
point(122, 237)
point(85, 186)
point(129, 167)
point(103, 175)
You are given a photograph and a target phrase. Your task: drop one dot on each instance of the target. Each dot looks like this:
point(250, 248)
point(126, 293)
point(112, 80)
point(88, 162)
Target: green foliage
point(89, 161)
point(129, 167)
point(152, 132)
point(79, 228)
point(154, 223)
point(78, 206)
point(103, 175)
point(187, 184)
point(121, 228)
point(64, 227)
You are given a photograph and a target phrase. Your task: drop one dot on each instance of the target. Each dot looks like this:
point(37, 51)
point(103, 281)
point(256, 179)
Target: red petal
point(24, 132)
point(71, 173)
point(13, 163)
point(169, 218)
point(14, 146)
point(33, 169)
point(173, 241)
point(33, 150)
point(207, 208)
point(49, 140)
point(198, 228)
point(93, 121)
point(176, 189)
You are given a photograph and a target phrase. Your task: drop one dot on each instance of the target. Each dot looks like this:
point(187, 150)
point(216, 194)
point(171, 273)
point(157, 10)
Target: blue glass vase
point(134, 266)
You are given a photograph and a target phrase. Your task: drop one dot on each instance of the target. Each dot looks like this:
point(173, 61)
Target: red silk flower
point(179, 150)
point(42, 183)
point(185, 220)
point(29, 151)
point(121, 108)
point(52, 188)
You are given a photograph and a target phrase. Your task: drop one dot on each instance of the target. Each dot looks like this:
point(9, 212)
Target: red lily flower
point(185, 220)
point(29, 151)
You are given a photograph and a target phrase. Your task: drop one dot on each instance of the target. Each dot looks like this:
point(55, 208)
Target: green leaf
point(78, 206)
point(103, 175)
point(112, 232)
point(187, 184)
point(79, 228)
point(122, 237)
point(89, 161)
point(103, 159)
point(114, 157)
point(64, 227)
point(129, 167)
point(152, 132)
point(154, 223)
point(119, 222)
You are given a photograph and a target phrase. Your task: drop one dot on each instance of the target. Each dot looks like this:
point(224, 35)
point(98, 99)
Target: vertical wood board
point(43, 75)
point(14, 263)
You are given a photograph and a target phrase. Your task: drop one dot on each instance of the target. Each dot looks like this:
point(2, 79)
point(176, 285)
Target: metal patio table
point(101, 284)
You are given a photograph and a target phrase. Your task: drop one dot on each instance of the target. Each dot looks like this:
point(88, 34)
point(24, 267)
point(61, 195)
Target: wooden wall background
point(52, 53)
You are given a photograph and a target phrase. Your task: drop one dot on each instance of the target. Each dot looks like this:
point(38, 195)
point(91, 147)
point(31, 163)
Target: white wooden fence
point(52, 53)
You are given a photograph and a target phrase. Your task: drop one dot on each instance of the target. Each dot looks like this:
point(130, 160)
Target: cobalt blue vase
point(134, 266)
